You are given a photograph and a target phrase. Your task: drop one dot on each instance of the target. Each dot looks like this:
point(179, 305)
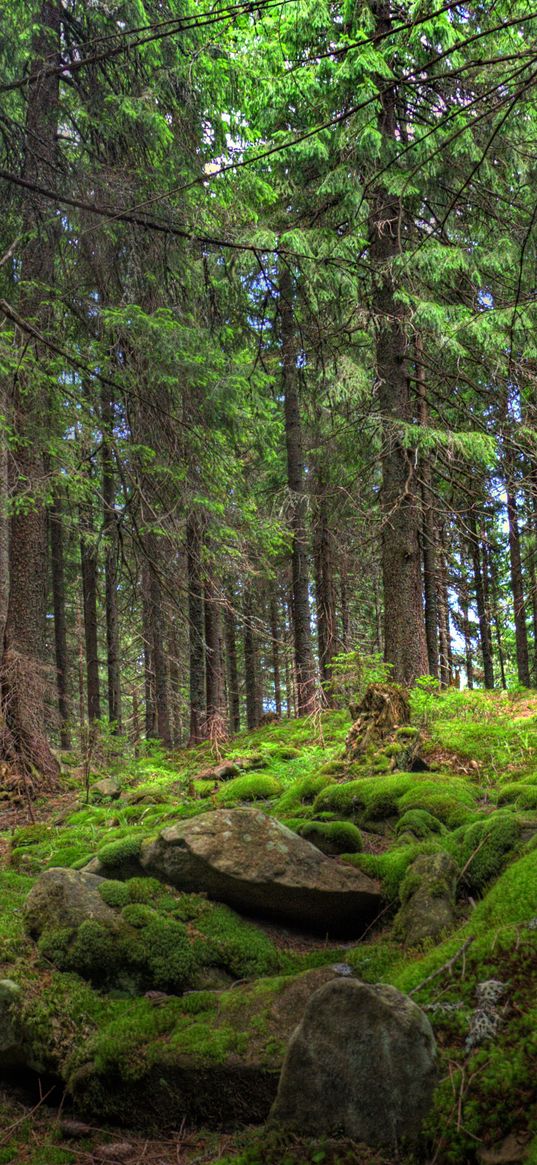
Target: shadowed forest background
point(268, 360)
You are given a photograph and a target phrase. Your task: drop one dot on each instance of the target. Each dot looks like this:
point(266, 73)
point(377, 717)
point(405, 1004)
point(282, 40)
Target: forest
point(268, 582)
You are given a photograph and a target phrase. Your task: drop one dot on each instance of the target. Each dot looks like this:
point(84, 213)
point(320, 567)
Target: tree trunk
point(304, 665)
point(194, 547)
point(23, 679)
point(482, 615)
point(149, 679)
point(157, 623)
point(430, 579)
point(214, 665)
point(232, 664)
point(445, 663)
point(405, 645)
point(110, 537)
point(88, 561)
point(254, 707)
point(275, 640)
point(324, 589)
point(517, 587)
point(60, 622)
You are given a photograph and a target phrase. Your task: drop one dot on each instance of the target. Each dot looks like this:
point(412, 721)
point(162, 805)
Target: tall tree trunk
point(194, 540)
point(482, 614)
point(149, 678)
point(110, 535)
point(430, 578)
point(23, 733)
point(275, 640)
point(495, 605)
point(230, 624)
point(157, 623)
point(214, 664)
point(405, 645)
point(254, 707)
point(60, 621)
point(517, 587)
point(304, 665)
point(445, 663)
point(324, 588)
point(88, 561)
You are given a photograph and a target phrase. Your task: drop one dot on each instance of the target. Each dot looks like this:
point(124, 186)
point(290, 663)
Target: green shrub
point(251, 787)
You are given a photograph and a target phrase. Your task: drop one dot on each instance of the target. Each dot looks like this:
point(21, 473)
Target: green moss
point(252, 787)
point(120, 855)
point(204, 788)
point(483, 848)
point(114, 893)
point(365, 799)
point(522, 795)
point(420, 823)
point(169, 956)
point(390, 867)
point(238, 946)
point(301, 792)
point(450, 799)
point(137, 914)
point(52, 1155)
point(14, 889)
point(337, 837)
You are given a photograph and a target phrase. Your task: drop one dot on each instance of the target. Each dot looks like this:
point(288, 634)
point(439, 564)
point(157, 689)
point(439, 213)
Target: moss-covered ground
point(86, 1001)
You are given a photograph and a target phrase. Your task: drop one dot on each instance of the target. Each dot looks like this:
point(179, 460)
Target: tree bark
point(324, 589)
point(517, 587)
point(194, 538)
point(60, 621)
point(232, 664)
point(430, 575)
point(304, 665)
point(23, 680)
point(405, 646)
point(110, 537)
point(482, 614)
point(88, 561)
point(254, 707)
point(275, 640)
point(214, 664)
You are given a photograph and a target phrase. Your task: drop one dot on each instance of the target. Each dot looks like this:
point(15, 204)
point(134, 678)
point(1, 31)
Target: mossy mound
point(251, 787)
point(301, 794)
point(332, 837)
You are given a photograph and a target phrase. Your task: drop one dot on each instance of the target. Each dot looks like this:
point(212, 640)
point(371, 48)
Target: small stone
point(106, 788)
point(69, 1127)
point(121, 1151)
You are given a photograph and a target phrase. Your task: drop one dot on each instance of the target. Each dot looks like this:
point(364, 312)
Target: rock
point(106, 788)
point(211, 1059)
point(242, 857)
point(65, 898)
point(10, 998)
point(513, 1150)
point(428, 900)
point(361, 1064)
point(226, 770)
point(120, 1151)
point(70, 1128)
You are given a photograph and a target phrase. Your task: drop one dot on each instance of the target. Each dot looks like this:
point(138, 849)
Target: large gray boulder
point(242, 857)
point(64, 898)
point(361, 1064)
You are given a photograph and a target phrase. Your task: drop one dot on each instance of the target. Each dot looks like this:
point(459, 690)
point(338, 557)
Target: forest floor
point(476, 800)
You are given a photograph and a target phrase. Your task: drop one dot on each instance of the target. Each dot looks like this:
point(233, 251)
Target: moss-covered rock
point(332, 837)
point(427, 896)
point(250, 787)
